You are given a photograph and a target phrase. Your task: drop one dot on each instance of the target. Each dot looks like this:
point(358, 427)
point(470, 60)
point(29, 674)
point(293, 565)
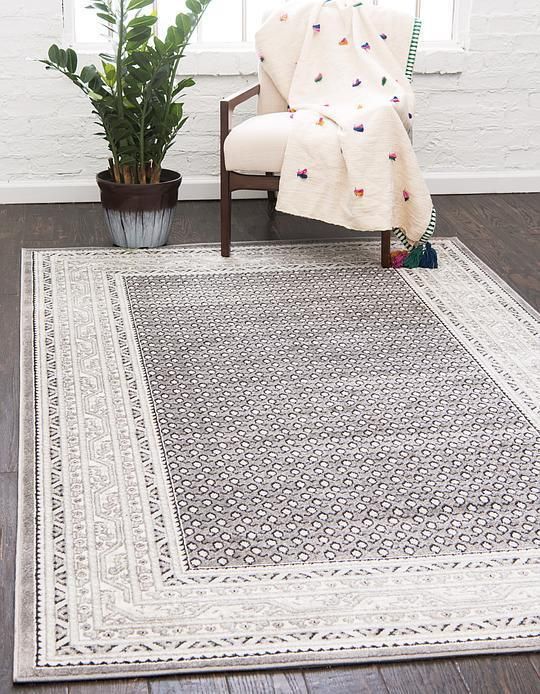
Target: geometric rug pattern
point(288, 457)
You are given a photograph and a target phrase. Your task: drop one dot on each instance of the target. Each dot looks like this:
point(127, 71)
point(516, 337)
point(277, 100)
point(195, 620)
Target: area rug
point(287, 458)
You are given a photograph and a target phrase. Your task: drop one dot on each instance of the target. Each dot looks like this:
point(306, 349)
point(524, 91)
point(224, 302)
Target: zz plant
point(135, 95)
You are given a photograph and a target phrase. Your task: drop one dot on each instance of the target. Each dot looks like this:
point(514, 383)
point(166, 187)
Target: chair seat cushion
point(258, 144)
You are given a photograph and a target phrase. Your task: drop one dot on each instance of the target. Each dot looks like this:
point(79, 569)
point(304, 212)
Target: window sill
point(443, 58)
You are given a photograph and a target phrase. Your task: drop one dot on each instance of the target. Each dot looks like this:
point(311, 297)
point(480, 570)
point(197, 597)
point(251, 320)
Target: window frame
point(226, 58)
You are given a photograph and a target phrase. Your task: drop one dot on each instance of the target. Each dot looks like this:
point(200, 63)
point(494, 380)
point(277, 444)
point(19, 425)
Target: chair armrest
point(240, 97)
point(227, 106)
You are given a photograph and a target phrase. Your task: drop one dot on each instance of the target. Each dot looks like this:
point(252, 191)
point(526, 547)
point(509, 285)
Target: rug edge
point(348, 657)
point(24, 647)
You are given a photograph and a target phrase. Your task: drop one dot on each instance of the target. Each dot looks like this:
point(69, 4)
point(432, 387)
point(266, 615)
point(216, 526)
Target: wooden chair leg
point(226, 202)
point(272, 198)
point(386, 240)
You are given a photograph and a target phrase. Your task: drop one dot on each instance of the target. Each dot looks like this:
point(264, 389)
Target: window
point(236, 21)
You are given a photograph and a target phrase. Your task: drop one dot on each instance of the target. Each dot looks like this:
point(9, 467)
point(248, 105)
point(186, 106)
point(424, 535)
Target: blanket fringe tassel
point(423, 255)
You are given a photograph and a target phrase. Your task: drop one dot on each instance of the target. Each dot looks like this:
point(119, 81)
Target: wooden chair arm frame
point(228, 105)
point(234, 180)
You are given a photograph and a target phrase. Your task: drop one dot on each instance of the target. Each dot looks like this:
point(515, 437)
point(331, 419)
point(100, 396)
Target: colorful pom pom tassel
point(429, 258)
point(398, 258)
point(423, 256)
point(414, 257)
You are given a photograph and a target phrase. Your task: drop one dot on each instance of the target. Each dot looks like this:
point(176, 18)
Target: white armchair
point(252, 153)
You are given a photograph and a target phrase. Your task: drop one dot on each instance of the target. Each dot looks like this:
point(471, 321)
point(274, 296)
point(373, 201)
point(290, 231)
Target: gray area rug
point(290, 457)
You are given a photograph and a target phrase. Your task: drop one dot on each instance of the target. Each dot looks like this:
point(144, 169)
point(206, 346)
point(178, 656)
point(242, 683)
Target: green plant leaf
point(159, 46)
point(194, 6)
point(88, 73)
point(146, 20)
point(71, 60)
point(110, 73)
point(183, 23)
point(54, 54)
point(172, 37)
point(136, 37)
point(107, 17)
point(139, 4)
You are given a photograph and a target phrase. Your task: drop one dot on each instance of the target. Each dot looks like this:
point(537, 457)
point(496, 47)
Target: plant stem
point(142, 153)
point(119, 60)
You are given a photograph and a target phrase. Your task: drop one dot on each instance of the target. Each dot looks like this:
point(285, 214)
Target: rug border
point(25, 564)
point(24, 667)
point(343, 658)
point(494, 276)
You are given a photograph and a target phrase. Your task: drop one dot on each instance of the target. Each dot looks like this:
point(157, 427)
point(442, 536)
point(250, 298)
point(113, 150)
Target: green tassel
point(414, 257)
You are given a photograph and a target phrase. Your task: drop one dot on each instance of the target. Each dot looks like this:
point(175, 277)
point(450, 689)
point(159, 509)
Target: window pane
point(408, 6)
point(167, 11)
point(257, 11)
point(88, 27)
point(437, 16)
point(222, 22)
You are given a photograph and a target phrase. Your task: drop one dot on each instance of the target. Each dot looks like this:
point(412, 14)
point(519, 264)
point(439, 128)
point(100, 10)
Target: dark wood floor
point(504, 230)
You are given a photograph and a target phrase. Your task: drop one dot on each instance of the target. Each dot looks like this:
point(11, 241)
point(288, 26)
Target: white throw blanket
point(344, 68)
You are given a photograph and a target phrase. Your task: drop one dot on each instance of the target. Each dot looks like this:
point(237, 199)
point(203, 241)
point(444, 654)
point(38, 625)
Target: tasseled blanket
point(344, 68)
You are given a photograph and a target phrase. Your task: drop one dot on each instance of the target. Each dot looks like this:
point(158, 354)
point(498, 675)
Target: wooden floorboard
point(433, 676)
point(133, 686)
point(189, 685)
point(503, 230)
point(9, 381)
point(286, 682)
point(363, 679)
point(507, 674)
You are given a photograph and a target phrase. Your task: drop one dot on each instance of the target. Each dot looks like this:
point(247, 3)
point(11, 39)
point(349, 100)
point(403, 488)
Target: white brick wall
point(483, 119)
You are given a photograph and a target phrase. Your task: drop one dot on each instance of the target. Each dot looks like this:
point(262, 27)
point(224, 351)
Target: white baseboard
point(207, 187)
point(479, 182)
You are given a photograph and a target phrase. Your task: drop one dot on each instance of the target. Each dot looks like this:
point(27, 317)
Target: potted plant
point(136, 99)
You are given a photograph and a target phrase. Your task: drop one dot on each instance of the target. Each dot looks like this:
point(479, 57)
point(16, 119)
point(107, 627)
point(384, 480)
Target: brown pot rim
point(168, 177)
point(139, 197)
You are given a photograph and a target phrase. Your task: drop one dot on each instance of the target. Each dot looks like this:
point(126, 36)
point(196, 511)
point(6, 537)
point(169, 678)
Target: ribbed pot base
point(148, 229)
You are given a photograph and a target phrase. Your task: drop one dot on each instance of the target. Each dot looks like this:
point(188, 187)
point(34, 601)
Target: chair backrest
point(270, 100)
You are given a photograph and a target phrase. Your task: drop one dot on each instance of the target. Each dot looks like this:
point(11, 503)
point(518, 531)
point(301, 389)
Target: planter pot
point(139, 216)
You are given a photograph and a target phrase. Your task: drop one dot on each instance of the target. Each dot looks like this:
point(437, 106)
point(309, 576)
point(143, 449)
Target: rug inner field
point(324, 416)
